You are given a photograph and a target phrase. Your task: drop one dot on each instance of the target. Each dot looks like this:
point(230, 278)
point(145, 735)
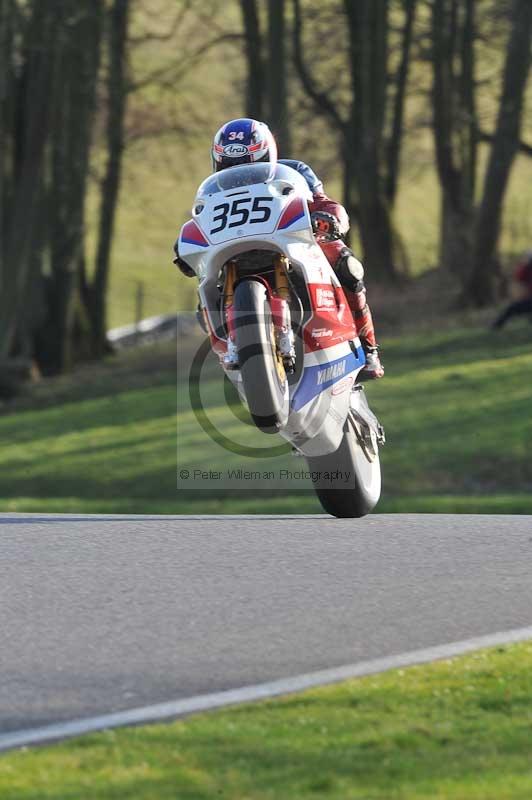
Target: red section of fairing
point(331, 321)
point(294, 211)
point(192, 234)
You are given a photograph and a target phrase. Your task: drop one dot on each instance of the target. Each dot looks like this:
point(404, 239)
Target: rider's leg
point(351, 273)
point(514, 309)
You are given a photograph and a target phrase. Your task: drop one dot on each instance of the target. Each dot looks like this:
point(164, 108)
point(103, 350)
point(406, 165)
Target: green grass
point(459, 729)
point(455, 405)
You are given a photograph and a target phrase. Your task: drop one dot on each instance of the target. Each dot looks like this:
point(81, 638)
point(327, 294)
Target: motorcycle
point(280, 324)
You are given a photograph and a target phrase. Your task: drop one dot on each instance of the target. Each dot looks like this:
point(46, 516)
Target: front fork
point(230, 358)
point(282, 321)
point(279, 304)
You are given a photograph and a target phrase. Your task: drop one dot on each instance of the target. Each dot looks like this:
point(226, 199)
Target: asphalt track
point(104, 614)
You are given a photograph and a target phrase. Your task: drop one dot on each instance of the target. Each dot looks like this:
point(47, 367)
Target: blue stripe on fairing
point(191, 241)
point(309, 388)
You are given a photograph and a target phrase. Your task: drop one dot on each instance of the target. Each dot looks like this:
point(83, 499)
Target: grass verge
point(452, 730)
point(454, 403)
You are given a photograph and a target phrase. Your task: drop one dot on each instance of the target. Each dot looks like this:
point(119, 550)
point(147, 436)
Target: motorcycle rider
point(253, 142)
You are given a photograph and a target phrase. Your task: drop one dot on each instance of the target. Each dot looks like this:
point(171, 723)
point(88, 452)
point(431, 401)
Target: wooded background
point(370, 92)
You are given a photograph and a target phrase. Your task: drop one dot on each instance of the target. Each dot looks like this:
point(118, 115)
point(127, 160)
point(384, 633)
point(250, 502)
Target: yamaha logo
point(235, 150)
point(331, 373)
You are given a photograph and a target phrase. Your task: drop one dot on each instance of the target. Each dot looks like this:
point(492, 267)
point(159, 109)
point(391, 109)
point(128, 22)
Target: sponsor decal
point(321, 333)
point(331, 373)
point(325, 298)
point(343, 386)
point(235, 150)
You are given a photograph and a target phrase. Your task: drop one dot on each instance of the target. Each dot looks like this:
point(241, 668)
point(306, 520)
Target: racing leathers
point(349, 270)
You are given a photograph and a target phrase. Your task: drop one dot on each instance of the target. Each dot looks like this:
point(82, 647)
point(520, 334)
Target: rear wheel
point(348, 481)
point(263, 375)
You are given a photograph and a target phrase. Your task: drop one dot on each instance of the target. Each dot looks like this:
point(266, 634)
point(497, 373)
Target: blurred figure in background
point(522, 279)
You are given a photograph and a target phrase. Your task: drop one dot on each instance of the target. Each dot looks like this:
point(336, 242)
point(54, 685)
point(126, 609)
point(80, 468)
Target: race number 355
point(239, 212)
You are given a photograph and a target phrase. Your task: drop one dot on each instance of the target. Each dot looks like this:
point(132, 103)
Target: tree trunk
point(255, 84)
point(454, 126)
point(28, 148)
point(277, 84)
point(117, 99)
point(6, 77)
point(396, 135)
point(482, 284)
point(77, 68)
point(456, 235)
point(349, 187)
point(361, 135)
point(368, 33)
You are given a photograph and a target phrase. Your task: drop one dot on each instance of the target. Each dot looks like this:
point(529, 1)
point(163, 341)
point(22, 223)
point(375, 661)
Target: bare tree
point(370, 145)
point(256, 82)
point(368, 32)
point(95, 293)
point(277, 74)
point(24, 158)
point(52, 98)
point(482, 284)
point(75, 82)
point(455, 127)
point(399, 87)
point(6, 46)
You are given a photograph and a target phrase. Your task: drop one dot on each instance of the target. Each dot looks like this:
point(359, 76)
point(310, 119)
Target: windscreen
point(245, 175)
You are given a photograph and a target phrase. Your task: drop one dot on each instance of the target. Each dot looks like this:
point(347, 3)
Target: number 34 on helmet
point(243, 141)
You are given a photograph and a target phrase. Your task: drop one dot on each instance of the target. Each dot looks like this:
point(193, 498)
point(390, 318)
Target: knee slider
point(350, 271)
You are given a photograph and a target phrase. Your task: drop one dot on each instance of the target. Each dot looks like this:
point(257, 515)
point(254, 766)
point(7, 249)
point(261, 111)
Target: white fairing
point(248, 208)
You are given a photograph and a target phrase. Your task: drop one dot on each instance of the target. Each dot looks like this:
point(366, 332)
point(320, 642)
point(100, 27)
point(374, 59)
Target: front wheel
point(348, 481)
point(261, 367)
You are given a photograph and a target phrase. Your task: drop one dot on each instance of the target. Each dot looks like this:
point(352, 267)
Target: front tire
point(263, 376)
point(357, 489)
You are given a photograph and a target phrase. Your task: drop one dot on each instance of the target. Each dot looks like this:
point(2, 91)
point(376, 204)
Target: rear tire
point(358, 488)
point(263, 376)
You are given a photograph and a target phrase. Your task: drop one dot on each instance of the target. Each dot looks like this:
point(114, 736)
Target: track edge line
point(262, 691)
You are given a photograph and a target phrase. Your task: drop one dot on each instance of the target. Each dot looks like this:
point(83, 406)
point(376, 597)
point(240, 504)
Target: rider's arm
point(314, 183)
point(320, 201)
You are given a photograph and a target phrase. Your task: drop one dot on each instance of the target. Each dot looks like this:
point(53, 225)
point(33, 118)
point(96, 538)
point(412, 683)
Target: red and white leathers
point(350, 273)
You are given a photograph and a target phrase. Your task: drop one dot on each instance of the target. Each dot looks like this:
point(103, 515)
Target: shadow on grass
point(460, 347)
point(141, 406)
